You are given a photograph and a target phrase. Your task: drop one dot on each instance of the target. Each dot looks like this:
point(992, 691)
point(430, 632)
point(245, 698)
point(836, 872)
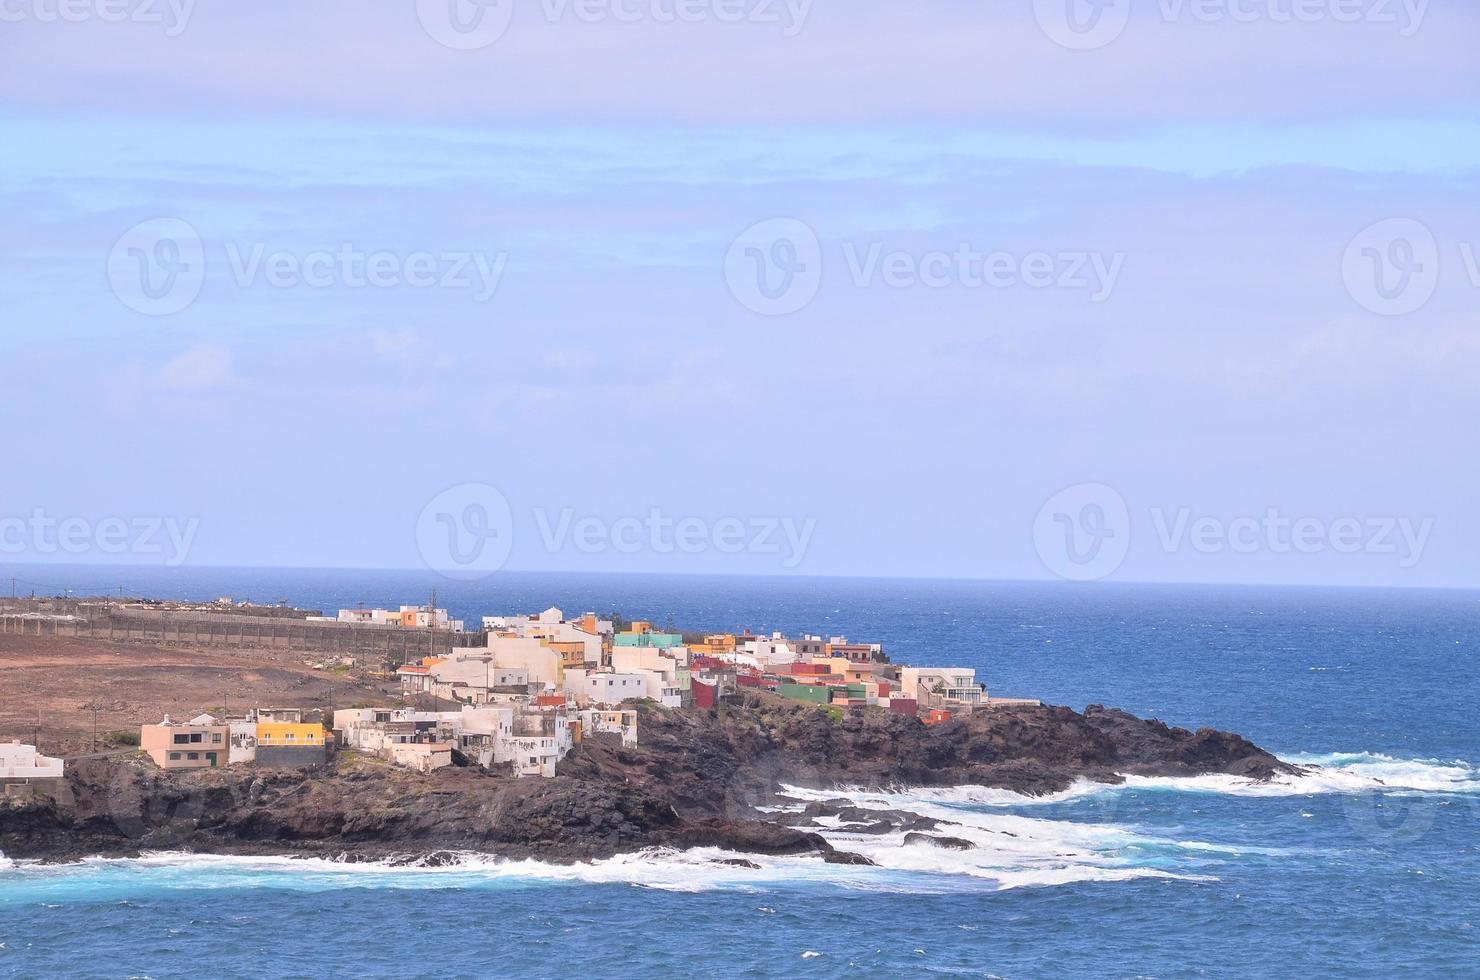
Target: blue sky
point(1224, 172)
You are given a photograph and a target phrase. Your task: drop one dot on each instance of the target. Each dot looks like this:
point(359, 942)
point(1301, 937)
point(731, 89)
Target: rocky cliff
point(697, 778)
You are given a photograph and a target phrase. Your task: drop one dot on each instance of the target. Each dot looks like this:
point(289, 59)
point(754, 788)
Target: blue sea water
point(1369, 866)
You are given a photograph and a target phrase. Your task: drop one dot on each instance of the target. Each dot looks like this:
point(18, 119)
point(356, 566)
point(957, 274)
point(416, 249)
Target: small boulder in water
point(952, 843)
point(435, 859)
point(847, 857)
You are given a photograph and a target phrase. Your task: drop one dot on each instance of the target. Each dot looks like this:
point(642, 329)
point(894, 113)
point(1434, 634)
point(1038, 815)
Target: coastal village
point(520, 693)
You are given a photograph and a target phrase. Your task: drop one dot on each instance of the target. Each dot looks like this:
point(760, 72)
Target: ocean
point(1368, 866)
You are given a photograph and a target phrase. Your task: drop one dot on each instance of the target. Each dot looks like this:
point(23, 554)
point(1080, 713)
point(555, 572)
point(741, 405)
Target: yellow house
point(716, 644)
point(572, 654)
point(288, 734)
point(290, 744)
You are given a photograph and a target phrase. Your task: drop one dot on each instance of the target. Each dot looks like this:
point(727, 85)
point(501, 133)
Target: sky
point(1179, 290)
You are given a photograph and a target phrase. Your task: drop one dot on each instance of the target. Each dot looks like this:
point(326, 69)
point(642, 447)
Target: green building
point(811, 693)
point(660, 641)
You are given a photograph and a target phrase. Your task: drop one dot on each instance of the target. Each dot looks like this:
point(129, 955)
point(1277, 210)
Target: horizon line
point(1108, 582)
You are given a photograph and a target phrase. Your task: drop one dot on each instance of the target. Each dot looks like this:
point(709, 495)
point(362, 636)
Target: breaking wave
point(1337, 772)
point(1008, 849)
point(915, 869)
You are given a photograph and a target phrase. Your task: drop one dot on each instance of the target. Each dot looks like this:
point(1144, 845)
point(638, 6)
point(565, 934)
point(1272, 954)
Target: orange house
point(202, 743)
point(715, 644)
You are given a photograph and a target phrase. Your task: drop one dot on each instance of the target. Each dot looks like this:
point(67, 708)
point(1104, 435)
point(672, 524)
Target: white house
point(374, 730)
point(660, 671)
point(937, 685)
point(607, 688)
point(243, 746)
point(420, 756)
point(418, 616)
point(466, 677)
point(515, 652)
point(773, 649)
point(597, 721)
point(19, 761)
point(531, 741)
point(540, 739)
point(481, 729)
point(587, 631)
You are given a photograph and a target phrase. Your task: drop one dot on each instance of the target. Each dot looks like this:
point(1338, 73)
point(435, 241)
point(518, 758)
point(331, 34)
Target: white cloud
point(205, 367)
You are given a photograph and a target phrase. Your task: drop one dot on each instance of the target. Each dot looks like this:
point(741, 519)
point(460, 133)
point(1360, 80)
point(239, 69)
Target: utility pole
point(95, 726)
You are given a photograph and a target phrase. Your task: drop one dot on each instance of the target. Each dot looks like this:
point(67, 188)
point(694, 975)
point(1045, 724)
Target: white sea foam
point(999, 859)
point(1009, 850)
point(698, 869)
point(1336, 772)
point(929, 871)
point(974, 796)
point(1424, 775)
point(1340, 772)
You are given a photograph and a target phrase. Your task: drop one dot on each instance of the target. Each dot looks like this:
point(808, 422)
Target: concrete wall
point(291, 756)
point(191, 628)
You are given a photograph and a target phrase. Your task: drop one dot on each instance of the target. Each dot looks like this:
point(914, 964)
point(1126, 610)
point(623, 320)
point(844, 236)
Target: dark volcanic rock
point(696, 778)
point(953, 843)
point(847, 857)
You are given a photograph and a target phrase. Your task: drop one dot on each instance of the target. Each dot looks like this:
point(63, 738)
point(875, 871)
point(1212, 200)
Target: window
point(174, 757)
point(182, 739)
point(193, 756)
point(197, 737)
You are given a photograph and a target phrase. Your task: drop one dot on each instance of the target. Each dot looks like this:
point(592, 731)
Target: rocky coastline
point(696, 779)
